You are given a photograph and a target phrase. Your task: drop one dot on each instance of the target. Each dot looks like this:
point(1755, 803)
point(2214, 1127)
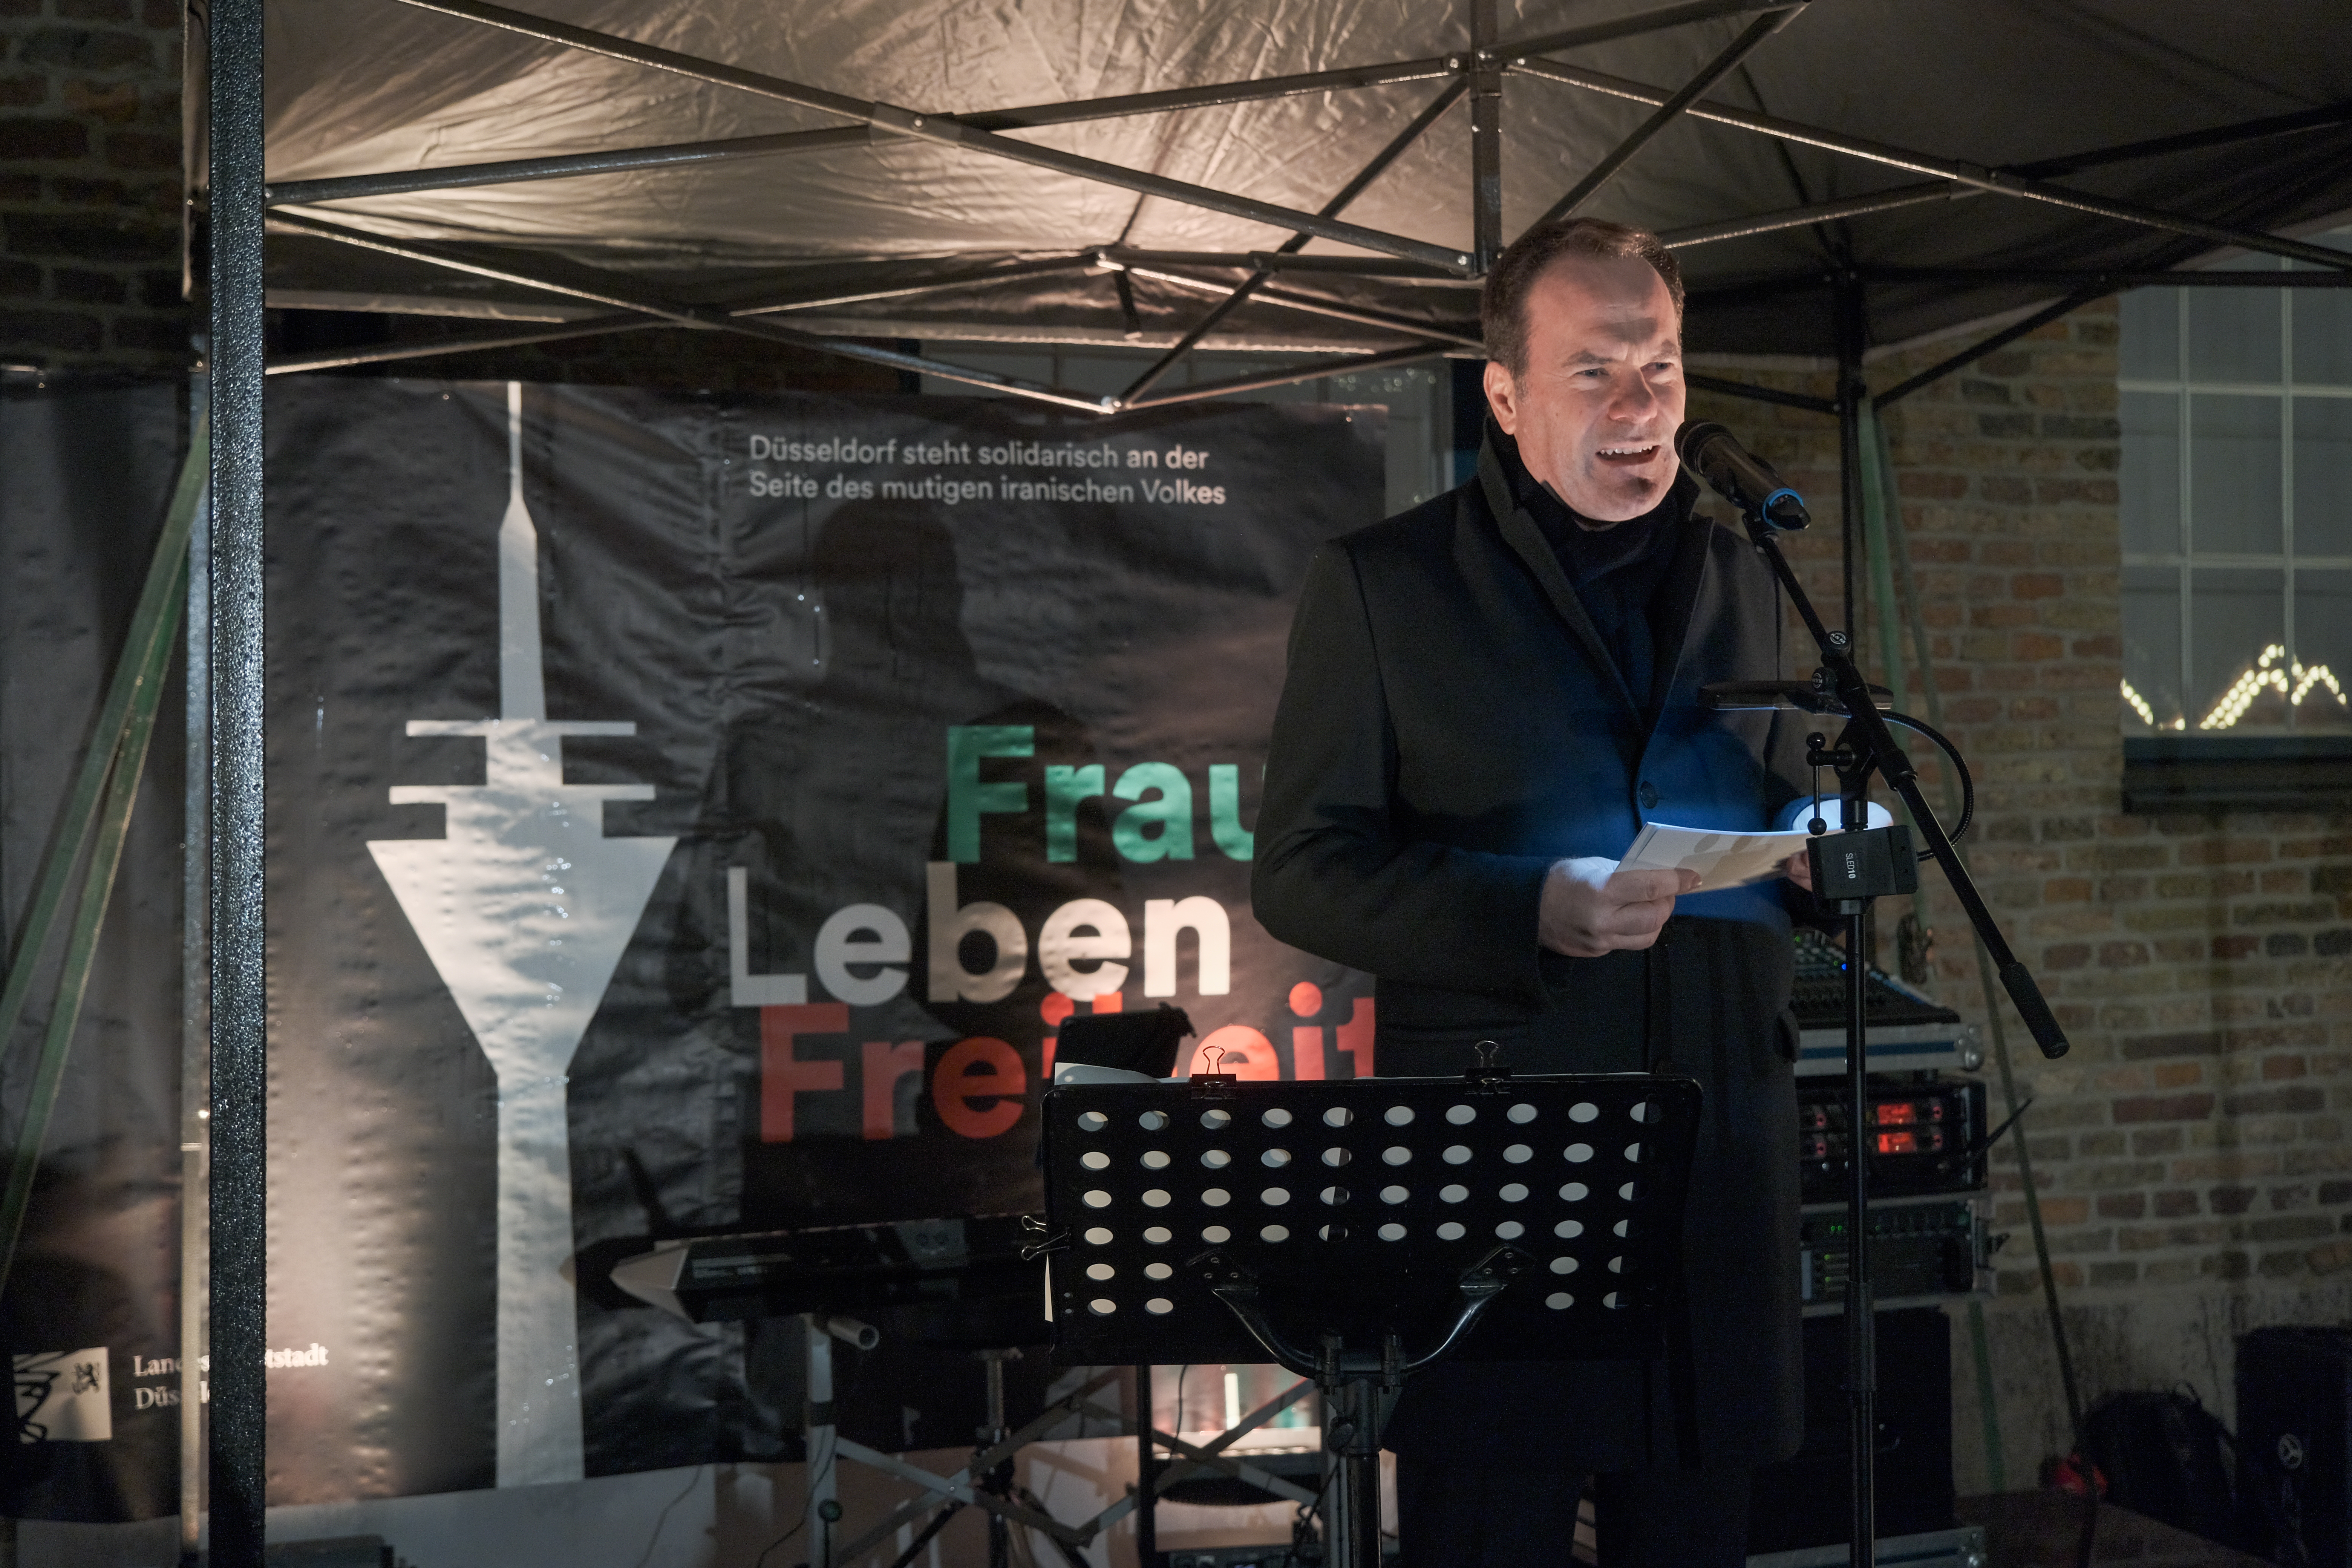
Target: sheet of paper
point(1721, 859)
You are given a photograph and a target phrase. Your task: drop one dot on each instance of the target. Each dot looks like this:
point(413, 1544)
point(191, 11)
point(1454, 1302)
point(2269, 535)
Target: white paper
point(1721, 859)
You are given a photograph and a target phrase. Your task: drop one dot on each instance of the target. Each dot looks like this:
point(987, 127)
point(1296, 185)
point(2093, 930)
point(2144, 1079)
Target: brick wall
point(89, 185)
point(2190, 1151)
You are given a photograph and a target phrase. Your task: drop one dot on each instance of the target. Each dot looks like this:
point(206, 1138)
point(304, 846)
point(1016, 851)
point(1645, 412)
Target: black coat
point(1451, 724)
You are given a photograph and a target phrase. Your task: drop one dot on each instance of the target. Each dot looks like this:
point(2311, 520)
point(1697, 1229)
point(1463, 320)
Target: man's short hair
point(1503, 305)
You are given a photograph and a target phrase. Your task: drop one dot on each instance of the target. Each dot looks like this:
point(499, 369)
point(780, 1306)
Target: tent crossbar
point(1983, 346)
point(1727, 60)
point(830, 298)
point(604, 292)
point(1756, 393)
point(1230, 300)
point(1212, 95)
point(1640, 22)
point(2319, 118)
point(517, 170)
point(1381, 160)
point(1311, 304)
point(1817, 212)
point(2110, 281)
point(1996, 181)
point(512, 171)
point(458, 343)
point(1947, 190)
point(944, 131)
point(1278, 261)
point(1344, 366)
point(759, 304)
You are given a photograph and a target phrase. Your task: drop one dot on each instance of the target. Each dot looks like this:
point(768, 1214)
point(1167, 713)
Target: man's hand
point(1798, 869)
point(1590, 908)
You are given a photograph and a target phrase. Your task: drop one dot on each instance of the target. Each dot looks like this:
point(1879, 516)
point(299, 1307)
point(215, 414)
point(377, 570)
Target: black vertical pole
point(1861, 1327)
point(1851, 335)
point(196, 1052)
point(1861, 1322)
point(1486, 137)
point(1147, 1475)
point(240, 1083)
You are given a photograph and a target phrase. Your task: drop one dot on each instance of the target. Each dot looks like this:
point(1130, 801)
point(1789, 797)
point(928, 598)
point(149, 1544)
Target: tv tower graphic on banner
point(525, 908)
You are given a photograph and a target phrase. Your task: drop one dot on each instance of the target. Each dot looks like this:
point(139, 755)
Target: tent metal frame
point(1478, 73)
point(241, 207)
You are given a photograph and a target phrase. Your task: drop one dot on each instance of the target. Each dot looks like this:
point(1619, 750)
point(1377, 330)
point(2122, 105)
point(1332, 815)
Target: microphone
point(1739, 476)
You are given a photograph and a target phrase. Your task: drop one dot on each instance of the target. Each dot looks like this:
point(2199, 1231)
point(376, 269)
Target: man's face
point(1596, 410)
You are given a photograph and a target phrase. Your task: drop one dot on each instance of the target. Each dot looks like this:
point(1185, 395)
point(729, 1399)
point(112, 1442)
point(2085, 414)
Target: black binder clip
point(1214, 1084)
point(1483, 1073)
point(1037, 1240)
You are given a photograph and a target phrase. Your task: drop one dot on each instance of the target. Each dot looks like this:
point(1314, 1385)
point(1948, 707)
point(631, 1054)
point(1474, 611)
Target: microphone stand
point(1865, 746)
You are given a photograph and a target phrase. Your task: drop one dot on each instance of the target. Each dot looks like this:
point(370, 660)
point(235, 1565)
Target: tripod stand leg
point(1351, 1508)
point(1147, 1473)
point(819, 1438)
point(915, 1547)
point(999, 1480)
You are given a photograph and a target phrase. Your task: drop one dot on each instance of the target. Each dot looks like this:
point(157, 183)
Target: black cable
point(1960, 764)
point(663, 1517)
point(762, 1559)
point(832, 1453)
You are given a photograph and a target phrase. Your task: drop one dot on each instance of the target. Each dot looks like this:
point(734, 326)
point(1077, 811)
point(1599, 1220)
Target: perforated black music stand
point(1358, 1230)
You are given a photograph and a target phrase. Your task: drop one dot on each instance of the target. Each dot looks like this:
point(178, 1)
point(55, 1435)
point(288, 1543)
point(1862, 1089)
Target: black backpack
point(2166, 1458)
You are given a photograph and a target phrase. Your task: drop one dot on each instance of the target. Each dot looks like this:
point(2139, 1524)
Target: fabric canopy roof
point(899, 152)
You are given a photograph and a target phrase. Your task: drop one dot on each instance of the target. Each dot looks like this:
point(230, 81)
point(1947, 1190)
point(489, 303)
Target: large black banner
point(699, 814)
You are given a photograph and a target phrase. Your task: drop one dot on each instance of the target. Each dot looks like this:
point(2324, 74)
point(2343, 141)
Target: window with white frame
point(2237, 508)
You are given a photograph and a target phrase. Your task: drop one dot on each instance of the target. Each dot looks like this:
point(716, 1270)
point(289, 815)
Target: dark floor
point(2044, 1530)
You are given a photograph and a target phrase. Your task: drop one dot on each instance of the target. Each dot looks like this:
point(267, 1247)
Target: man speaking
point(1487, 696)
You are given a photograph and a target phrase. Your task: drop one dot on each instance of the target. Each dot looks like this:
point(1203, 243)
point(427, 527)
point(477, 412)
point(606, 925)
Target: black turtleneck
point(1616, 569)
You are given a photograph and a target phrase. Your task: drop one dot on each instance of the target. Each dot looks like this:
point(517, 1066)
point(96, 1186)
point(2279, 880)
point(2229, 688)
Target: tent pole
point(1486, 139)
point(1852, 332)
point(240, 1083)
point(1715, 70)
point(195, 1110)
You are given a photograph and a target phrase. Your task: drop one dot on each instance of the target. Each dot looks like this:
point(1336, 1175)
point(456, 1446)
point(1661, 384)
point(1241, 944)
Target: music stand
point(1358, 1230)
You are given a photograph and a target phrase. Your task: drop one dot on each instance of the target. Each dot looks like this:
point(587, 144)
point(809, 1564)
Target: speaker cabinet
point(2294, 1399)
